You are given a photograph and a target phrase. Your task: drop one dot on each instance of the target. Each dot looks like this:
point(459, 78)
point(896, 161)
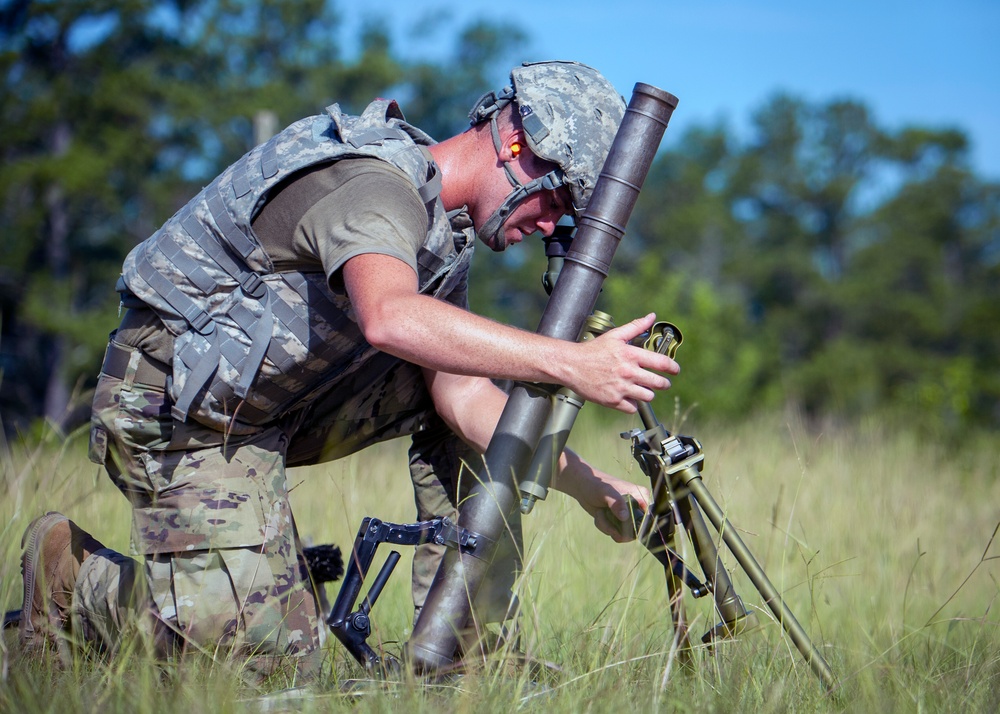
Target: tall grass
point(879, 540)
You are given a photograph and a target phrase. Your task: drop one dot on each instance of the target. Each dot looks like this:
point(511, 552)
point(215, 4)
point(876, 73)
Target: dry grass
point(877, 540)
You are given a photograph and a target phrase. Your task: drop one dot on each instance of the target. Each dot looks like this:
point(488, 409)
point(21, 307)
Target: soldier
point(309, 302)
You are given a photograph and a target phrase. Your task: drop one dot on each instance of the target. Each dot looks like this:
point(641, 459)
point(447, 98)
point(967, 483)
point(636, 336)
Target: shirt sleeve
point(376, 211)
point(371, 207)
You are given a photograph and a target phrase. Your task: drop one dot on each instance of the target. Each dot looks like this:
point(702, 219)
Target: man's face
point(539, 213)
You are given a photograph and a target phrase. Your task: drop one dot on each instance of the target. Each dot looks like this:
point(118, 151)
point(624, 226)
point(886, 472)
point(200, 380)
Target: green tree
point(923, 293)
point(843, 267)
point(794, 192)
point(84, 93)
point(673, 261)
point(114, 112)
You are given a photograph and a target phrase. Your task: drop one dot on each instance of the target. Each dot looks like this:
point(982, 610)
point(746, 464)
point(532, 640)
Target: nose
point(546, 227)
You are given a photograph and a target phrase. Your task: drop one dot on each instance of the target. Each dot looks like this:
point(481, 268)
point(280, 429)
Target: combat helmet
point(570, 114)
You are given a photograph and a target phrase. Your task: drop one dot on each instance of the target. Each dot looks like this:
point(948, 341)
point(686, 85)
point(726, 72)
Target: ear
point(513, 145)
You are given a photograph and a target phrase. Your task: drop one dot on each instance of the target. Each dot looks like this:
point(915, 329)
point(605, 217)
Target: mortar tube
point(493, 502)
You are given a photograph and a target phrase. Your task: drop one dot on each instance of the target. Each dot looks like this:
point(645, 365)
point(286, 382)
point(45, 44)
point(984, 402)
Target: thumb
point(622, 508)
point(627, 510)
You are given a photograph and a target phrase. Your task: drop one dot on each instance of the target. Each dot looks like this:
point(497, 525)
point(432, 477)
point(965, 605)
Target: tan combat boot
point(54, 549)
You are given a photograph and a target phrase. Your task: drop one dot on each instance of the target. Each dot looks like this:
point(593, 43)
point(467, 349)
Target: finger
point(660, 383)
point(645, 381)
point(626, 406)
point(642, 496)
point(634, 328)
point(627, 527)
point(610, 526)
point(658, 362)
point(633, 510)
point(621, 529)
point(604, 524)
point(643, 394)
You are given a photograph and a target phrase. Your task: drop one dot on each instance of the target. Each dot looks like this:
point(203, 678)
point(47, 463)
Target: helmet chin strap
point(492, 230)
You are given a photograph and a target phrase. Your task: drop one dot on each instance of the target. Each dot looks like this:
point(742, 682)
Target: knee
point(231, 603)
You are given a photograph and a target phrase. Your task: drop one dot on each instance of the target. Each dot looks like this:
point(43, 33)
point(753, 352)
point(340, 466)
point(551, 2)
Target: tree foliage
point(115, 112)
point(849, 268)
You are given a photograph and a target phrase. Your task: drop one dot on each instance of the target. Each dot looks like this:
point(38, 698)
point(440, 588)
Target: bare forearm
point(606, 498)
point(470, 406)
point(439, 336)
point(573, 475)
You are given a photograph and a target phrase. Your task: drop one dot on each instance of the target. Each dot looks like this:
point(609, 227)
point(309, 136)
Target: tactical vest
point(251, 345)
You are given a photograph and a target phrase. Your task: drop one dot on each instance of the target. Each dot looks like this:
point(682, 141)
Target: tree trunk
point(57, 393)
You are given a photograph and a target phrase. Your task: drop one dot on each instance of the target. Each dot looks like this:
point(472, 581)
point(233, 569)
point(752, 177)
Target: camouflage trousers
point(213, 534)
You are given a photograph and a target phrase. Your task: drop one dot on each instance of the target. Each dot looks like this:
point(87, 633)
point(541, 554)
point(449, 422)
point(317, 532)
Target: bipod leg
point(692, 480)
point(660, 453)
point(677, 616)
point(354, 628)
point(655, 529)
point(655, 450)
point(736, 618)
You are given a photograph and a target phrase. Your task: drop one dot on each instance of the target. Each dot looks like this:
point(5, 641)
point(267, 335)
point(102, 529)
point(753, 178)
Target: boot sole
point(33, 536)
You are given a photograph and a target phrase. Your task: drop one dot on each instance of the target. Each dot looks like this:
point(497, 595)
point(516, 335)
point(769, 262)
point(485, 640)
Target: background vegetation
point(859, 528)
point(820, 261)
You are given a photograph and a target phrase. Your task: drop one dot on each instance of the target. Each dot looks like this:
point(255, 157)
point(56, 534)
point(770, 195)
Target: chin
point(518, 235)
point(496, 243)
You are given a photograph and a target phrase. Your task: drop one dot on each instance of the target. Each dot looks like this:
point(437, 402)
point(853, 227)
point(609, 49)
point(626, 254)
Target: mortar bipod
point(660, 455)
point(354, 628)
point(673, 464)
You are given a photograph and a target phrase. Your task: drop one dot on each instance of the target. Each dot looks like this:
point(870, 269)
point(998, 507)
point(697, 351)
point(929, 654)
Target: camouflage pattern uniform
point(212, 523)
point(219, 559)
point(211, 518)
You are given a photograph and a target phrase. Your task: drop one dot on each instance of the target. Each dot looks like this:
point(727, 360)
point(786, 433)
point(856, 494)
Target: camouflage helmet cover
point(570, 114)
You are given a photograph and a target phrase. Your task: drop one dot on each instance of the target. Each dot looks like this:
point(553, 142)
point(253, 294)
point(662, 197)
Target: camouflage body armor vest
point(251, 345)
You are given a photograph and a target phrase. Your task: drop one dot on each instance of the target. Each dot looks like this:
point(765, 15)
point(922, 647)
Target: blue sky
point(932, 63)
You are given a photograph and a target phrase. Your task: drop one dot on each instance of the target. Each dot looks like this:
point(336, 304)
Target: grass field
point(880, 542)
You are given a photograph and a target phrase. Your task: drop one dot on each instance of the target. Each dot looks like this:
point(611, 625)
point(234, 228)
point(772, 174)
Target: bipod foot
point(746, 622)
point(309, 697)
point(362, 688)
point(295, 699)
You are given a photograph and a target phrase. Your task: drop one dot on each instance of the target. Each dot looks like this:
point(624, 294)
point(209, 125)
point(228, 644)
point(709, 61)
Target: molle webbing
point(249, 343)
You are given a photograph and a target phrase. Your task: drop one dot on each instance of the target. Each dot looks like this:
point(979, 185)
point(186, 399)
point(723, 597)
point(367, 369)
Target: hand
point(604, 497)
point(617, 374)
point(610, 505)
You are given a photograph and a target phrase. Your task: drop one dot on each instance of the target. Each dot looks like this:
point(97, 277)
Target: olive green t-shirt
point(316, 221)
point(331, 213)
